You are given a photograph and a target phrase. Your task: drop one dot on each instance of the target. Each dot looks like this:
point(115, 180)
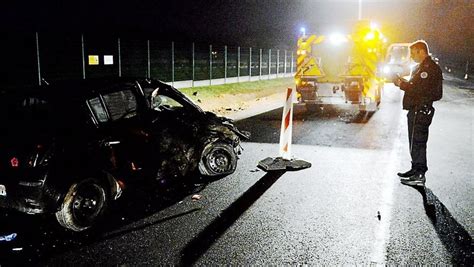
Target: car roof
point(78, 89)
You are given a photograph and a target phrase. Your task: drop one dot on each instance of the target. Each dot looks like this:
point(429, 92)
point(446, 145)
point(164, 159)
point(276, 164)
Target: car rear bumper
point(25, 197)
point(24, 192)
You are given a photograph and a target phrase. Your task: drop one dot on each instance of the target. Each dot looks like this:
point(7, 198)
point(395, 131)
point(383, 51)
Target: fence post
point(225, 64)
point(38, 58)
point(260, 65)
point(278, 62)
point(238, 64)
point(192, 82)
point(148, 58)
point(250, 63)
point(269, 62)
point(466, 75)
point(172, 63)
point(285, 63)
point(83, 58)
point(210, 64)
point(119, 59)
point(291, 63)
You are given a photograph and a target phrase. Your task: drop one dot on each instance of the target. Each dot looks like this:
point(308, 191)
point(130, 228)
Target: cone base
point(280, 164)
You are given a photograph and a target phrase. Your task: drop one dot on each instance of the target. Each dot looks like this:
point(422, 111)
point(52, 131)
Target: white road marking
point(382, 232)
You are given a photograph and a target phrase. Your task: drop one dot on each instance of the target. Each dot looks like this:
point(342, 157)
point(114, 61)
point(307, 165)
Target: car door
point(174, 131)
point(125, 133)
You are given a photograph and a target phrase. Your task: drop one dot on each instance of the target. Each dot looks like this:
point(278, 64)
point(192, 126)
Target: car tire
point(217, 159)
point(83, 205)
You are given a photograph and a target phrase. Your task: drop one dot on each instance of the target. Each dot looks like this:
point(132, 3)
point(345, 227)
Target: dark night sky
point(446, 25)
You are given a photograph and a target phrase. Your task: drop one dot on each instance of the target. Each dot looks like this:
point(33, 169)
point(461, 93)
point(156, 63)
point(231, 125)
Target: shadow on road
point(199, 245)
point(40, 237)
point(454, 237)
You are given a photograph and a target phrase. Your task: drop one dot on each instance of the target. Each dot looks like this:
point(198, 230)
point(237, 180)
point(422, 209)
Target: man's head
point(419, 51)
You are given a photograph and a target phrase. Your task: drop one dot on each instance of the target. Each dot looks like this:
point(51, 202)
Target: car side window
point(98, 109)
point(121, 104)
point(159, 101)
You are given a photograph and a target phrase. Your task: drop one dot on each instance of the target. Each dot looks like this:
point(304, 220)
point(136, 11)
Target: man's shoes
point(418, 179)
point(406, 174)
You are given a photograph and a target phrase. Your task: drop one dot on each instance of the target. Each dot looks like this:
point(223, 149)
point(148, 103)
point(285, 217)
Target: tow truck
point(341, 69)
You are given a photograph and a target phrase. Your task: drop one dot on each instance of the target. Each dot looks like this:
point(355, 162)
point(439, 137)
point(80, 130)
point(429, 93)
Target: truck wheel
point(82, 206)
point(217, 159)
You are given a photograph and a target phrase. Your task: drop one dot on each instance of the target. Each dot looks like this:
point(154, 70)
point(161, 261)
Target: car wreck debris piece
point(8, 238)
point(196, 197)
point(279, 164)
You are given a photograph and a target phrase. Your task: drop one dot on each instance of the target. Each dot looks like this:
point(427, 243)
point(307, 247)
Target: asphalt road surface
point(348, 208)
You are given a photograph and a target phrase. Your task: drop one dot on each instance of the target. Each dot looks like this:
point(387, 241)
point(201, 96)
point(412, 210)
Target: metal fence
point(72, 56)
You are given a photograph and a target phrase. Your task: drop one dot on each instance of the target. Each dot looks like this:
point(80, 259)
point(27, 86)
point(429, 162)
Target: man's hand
point(398, 80)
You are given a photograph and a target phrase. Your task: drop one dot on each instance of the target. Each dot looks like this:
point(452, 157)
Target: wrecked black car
point(72, 147)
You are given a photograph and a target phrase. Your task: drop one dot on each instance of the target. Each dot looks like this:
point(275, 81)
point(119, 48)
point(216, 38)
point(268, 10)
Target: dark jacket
point(424, 87)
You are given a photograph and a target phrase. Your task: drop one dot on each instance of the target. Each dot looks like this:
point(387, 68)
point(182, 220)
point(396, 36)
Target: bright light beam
point(303, 31)
point(337, 38)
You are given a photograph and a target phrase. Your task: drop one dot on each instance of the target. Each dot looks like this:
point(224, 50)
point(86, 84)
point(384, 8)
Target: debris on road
point(8, 238)
point(255, 170)
point(196, 197)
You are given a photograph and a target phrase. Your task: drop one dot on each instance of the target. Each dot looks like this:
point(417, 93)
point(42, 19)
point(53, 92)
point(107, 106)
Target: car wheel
point(217, 159)
point(82, 206)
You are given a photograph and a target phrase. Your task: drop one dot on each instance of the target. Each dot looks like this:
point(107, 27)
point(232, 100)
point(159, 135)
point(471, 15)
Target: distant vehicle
point(347, 63)
point(72, 147)
point(397, 61)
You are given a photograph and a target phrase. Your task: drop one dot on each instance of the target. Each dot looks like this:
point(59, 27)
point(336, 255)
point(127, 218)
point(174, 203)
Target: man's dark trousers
point(419, 122)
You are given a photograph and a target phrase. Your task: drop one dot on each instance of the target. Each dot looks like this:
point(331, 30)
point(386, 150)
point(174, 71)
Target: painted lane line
point(382, 232)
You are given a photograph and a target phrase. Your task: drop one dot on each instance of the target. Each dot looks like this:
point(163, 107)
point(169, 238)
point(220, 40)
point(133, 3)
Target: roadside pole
point(172, 63)
point(269, 63)
point(466, 76)
point(193, 63)
point(119, 57)
point(225, 64)
point(148, 59)
point(84, 59)
point(38, 59)
point(238, 64)
point(210, 64)
point(278, 62)
point(250, 64)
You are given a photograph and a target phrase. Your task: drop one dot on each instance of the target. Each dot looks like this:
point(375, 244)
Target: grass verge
point(253, 89)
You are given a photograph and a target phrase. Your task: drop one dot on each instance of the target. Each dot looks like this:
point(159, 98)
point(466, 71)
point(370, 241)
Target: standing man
point(424, 87)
